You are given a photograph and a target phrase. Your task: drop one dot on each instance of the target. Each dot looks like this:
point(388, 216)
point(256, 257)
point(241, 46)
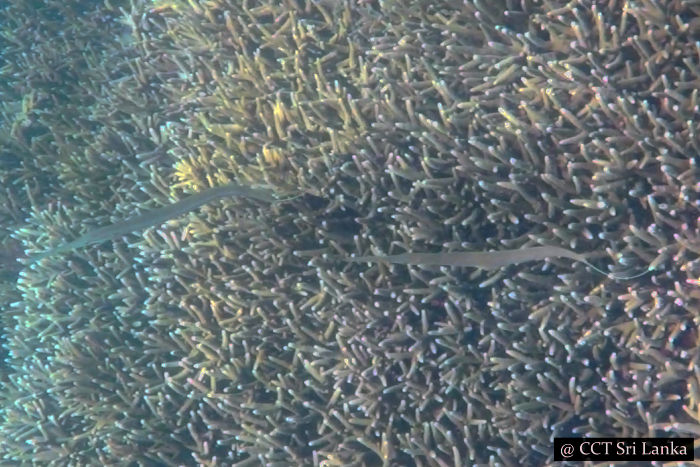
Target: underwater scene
point(346, 232)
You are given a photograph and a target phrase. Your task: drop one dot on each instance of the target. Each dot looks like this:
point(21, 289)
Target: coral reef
point(238, 335)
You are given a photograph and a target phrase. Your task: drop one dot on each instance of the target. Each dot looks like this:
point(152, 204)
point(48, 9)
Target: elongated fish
point(158, 216)
point(487, 259)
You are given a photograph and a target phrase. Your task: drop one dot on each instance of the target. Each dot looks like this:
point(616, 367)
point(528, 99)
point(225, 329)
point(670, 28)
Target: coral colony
point(238, 332)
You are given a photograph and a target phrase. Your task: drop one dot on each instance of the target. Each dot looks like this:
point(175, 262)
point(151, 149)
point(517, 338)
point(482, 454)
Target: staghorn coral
point(237, 337)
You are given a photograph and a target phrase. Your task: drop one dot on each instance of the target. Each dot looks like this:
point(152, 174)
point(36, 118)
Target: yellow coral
point(272, 156)
point(194, 172)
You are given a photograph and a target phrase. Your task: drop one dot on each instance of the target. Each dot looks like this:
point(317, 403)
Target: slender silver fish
point(158, 216)
point(487, 259)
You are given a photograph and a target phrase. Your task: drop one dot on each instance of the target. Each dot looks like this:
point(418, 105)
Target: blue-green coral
point(423, 126)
